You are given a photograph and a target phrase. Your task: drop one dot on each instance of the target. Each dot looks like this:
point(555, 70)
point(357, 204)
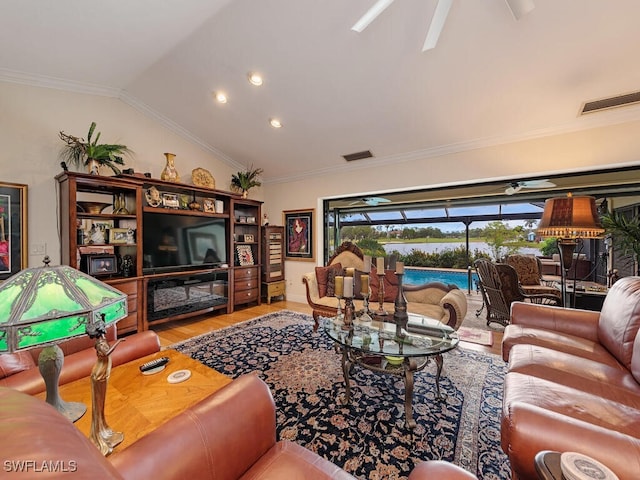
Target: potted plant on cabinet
point(245, 180)
point(90, 153)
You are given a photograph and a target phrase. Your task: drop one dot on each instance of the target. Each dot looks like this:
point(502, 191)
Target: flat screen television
point(174, 242)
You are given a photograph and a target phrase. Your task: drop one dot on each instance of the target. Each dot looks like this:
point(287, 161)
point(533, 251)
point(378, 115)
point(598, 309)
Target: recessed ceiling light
point(275, 123)
point(255, 79)
point(220, 97)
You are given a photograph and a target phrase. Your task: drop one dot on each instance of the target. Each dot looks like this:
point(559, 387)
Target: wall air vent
point(612, 102)
point(357, 156)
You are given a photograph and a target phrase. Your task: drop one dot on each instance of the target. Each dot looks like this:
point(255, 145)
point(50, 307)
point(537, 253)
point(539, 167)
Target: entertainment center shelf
point(176, 250)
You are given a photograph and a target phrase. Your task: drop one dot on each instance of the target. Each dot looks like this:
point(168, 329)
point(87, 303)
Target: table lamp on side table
point(42, 306)
point(569, 219)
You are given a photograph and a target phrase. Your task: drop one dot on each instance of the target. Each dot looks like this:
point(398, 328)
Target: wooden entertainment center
point(201, 251)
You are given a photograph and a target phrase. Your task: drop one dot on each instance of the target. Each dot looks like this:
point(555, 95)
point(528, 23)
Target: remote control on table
point(158, 362)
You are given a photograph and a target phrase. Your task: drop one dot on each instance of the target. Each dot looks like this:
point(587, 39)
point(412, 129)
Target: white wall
point(30, 119)
point(585, 150)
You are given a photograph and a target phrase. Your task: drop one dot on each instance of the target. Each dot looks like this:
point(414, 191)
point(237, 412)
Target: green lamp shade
point(41, 306)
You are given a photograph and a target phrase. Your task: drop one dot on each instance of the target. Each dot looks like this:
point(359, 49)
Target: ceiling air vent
point(612, 102)
point(357, 156)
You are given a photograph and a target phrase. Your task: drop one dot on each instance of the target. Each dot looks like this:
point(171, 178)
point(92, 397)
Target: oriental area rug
point(367, 438)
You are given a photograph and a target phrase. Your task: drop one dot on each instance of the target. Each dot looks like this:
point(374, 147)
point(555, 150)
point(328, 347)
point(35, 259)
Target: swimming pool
point(418, 276)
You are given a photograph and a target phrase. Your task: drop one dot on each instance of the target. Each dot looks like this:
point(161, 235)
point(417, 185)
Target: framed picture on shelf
point(299, 234)
point(170, 200)
point(242, 219)
point(120, 235)
point(98, 265)
point(245, 256)
point(251, 219)
point(209, 205)
point(249, 238)
point(13, 229)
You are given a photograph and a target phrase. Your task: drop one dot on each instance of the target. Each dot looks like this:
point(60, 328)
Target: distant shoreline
point(433, 247)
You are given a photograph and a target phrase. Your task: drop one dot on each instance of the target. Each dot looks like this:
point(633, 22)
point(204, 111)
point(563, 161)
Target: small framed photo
point(251, 219)
point(242, 219)
point(249, 238)
point(245, 255)
point(98, 265)
point(121, 235)
point(170, 200)
point(209, 205)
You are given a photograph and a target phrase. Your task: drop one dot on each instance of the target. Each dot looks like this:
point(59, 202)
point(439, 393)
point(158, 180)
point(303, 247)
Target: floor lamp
point(569, 219)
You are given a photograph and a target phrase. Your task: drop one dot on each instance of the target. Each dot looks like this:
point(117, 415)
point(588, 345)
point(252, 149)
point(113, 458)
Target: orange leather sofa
point(20, 371)
point(573, 383)
point(229, 435)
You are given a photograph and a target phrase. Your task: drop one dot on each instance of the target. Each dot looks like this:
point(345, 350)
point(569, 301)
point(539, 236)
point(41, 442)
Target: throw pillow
point(322, 277)
point(390, 285)
point(331, 281)
point(357, 284)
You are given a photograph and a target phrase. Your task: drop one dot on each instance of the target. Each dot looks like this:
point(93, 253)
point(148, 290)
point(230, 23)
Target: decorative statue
point(101, 434)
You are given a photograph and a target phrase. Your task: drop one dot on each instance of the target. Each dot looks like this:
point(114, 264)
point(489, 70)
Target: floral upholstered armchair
point(529, 270)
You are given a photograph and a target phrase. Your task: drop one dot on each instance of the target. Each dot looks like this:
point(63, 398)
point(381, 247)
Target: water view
point(418, 276)
point(405, 248)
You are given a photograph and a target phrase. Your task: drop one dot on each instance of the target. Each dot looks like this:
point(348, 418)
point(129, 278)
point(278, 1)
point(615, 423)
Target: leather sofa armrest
point(440, 470)
point(79, 364)
point(531, 429)
point(580, 323)
point(220, 437)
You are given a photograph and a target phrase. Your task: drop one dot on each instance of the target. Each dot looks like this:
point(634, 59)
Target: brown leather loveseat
point(20, 371)
point(574, 383)
point(229, 435)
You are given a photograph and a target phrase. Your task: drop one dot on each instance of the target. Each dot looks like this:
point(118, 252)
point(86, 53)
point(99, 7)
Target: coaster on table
point(154, 370)
point(576, 466)
point(179, 376)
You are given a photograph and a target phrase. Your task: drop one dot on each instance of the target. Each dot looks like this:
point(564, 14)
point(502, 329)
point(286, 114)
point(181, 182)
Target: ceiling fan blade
point(513, 189)
point(437, 24)
point(538, 184)
point(373, 13)
point(519, 8)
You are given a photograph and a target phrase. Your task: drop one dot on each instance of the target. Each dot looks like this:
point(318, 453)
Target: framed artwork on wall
point(13, 229)
point(299, 234)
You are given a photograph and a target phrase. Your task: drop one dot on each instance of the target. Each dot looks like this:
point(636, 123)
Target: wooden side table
point(274, 289)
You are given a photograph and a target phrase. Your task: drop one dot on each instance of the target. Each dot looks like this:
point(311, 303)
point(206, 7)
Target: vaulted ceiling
point(490, 78)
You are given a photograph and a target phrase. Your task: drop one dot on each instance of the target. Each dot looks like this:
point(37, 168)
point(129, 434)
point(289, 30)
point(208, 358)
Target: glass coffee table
point(385, 347)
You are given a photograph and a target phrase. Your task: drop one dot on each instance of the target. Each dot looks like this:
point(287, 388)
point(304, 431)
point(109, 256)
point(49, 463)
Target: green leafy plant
point(625, 232)
point(79, 152)
point(246, 179)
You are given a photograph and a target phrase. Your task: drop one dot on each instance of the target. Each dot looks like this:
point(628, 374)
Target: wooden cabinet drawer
point(129, 323)
point(246, 296)
point(245, 284)
point(246, 273)
point(129, 287)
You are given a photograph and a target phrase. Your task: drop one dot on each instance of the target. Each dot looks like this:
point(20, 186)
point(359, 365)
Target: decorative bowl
point(92, 207)
point(394, 360)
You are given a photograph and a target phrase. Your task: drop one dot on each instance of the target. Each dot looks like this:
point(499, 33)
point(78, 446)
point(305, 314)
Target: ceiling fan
point(518, 9)
point(371, 201)
point(515, 187)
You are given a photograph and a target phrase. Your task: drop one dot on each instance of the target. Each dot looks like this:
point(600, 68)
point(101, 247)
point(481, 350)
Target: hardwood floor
point(173, 332)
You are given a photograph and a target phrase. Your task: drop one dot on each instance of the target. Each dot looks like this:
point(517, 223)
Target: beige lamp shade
point(570, 217)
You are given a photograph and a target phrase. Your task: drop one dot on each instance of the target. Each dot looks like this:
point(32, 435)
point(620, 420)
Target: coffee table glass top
point(421, 337)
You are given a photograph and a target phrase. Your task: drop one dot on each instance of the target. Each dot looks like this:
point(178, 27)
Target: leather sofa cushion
point(12, 363)
point(604, 377)
point(323, 275)
point(620, 319)
point(620, 414)
point(289, 460)
point(559, 341)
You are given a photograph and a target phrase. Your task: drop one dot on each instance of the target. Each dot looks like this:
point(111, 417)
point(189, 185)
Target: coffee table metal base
point(409, 366)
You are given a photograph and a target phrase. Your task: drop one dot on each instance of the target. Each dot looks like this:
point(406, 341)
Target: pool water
point(418, 276)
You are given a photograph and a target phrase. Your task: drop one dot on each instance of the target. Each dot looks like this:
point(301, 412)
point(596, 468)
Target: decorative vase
point(92, 166)
point(245, 193)
point(170, 174)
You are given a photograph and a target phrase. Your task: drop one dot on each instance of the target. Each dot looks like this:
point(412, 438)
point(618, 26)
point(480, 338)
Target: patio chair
point(499, 287)
point(529, 270)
